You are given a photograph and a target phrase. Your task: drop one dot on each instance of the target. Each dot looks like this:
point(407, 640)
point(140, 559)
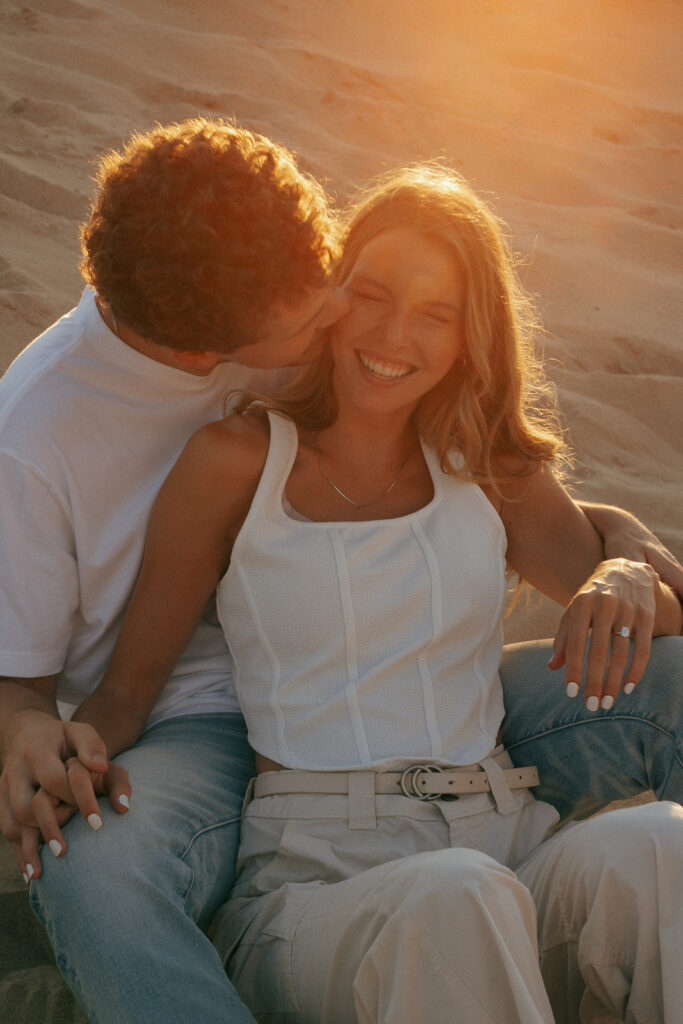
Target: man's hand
point(624, 536)
point(50, 764)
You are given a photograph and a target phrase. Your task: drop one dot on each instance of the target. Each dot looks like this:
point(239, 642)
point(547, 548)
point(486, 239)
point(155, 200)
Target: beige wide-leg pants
point(410, 913)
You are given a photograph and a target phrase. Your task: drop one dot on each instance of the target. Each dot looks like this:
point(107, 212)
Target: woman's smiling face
point(405, 327)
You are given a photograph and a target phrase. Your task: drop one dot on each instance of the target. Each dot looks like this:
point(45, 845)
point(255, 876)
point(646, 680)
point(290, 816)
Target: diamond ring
point(625, 631)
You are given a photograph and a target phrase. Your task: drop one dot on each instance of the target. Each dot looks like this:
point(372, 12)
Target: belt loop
point(500, 791)
point(249, 795)
point(362, 800)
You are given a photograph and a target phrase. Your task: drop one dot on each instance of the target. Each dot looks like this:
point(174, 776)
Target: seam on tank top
point(351, 647)
point(276, 674)
point(496, 624)
point(428, 702)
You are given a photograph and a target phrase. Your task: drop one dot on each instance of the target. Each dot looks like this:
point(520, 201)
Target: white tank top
point(366, 643)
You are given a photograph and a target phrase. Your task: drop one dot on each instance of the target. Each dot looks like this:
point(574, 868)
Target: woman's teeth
point(383, 369)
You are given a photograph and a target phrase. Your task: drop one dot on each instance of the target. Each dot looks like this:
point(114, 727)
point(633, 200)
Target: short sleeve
point(39, 587)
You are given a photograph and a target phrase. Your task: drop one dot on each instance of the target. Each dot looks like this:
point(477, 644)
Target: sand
point(569, 117)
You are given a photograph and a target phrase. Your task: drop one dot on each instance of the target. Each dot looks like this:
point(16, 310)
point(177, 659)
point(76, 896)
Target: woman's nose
point(394, 327)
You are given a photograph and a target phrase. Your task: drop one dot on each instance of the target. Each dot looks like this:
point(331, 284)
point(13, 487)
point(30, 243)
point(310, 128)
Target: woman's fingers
point(45, 809)
point(608, 627)
point(573, 636)
point(27, 854)
point(49, 813)
point(117, 785)
point(82, 784)
point(640, 653)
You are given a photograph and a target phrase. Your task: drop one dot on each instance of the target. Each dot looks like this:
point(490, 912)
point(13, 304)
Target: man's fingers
point(668, 568)
point(86, 744)
point(15, 804)
point(52, 778)
point(10, 826)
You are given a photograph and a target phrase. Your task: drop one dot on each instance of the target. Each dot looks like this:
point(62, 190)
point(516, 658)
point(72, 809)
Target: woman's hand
point(48, 813)
point(613, 615)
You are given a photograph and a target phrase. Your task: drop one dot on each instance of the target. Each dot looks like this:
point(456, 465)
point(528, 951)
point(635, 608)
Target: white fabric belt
point(423, 781)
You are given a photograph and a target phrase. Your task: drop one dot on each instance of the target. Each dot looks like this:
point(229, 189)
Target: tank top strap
point(282, 449)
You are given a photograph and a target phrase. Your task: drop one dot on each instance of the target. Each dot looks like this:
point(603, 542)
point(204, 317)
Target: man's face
point(290, 335)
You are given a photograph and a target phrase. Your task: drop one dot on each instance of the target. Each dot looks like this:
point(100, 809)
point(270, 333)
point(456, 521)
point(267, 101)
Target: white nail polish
point(629, 688)
point(592, 703)
point(607, 702)
point(572, 689)
point(55, 847)
point(124, 801)
point(25, 877)
point(94, 821)
point(29, 871)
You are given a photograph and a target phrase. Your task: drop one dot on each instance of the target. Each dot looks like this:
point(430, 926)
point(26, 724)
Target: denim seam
point(597, 721)
point(208, 828)
point(195, 836)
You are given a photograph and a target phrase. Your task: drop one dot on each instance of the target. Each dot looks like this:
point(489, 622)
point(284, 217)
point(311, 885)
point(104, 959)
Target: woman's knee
point(633, 834)
point(627, 854)
point(456, 883)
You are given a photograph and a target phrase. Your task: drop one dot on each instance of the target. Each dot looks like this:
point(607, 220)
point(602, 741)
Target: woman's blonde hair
point(495, 406)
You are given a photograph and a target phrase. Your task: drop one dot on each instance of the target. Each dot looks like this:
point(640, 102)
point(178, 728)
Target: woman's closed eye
point(368, 296)
point(438, 317)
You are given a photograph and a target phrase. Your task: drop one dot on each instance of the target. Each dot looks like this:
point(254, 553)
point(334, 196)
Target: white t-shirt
point(89, 428)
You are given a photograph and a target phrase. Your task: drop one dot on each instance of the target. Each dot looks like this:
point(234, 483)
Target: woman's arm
point(192, 527)
point(554, 547)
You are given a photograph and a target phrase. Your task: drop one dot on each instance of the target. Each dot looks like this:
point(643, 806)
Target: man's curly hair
point(200, 229)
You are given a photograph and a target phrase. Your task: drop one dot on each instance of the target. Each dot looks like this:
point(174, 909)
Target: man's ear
point(198, 362)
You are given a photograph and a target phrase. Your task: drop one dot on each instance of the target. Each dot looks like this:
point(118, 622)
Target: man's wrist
point(19, 720)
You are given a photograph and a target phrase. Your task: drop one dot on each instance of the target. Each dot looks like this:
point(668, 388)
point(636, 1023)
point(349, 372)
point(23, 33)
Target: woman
point(388, 490)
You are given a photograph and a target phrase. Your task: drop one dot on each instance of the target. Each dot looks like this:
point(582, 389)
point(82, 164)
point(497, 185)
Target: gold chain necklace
point(357, 504)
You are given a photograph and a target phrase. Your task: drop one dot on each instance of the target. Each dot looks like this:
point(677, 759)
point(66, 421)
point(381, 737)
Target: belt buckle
point(409, 779)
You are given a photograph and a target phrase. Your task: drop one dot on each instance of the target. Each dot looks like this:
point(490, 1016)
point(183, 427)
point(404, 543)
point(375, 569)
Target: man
point(206, 250)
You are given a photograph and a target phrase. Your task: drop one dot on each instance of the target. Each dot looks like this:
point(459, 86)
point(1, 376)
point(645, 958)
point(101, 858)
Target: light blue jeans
point(587, 759)
point(125, 908)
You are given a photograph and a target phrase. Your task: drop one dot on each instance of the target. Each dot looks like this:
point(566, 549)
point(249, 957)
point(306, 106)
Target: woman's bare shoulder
point(228, 451)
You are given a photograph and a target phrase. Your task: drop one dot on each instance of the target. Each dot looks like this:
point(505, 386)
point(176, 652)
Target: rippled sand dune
point(569, 117)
